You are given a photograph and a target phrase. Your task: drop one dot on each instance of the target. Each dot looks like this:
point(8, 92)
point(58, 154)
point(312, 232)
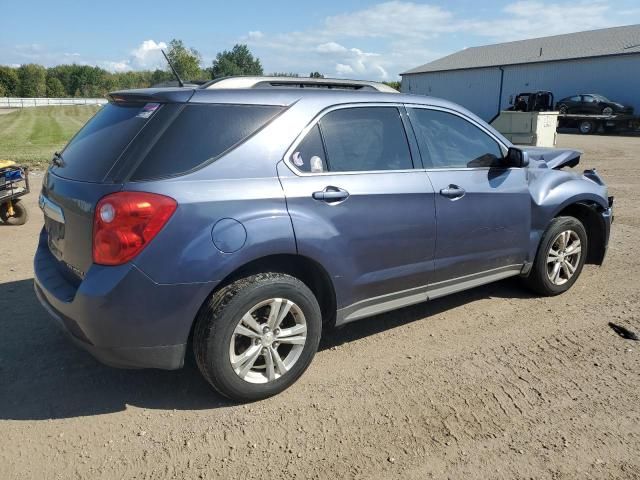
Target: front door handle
point(331, 195)
point(453, 191)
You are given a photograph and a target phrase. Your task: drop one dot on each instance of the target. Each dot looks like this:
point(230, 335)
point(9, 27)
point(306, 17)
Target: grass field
point(29, 136)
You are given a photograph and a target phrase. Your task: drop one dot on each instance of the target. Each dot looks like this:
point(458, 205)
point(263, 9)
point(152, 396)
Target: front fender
point(553, 191)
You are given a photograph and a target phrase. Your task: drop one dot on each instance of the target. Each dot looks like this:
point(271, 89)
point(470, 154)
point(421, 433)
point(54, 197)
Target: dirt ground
point(489, 383)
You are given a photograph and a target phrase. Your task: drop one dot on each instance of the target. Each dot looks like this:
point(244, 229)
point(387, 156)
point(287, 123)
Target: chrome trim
point(404, 298)
point(50, 209)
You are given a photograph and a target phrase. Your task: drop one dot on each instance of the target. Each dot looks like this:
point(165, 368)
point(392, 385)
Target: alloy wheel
point(268, 340)
point(563, 257)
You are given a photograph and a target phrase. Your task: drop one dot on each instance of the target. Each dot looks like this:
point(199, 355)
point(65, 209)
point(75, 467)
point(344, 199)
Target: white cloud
point(256, 35)
point(416, 33)
point(147, 56)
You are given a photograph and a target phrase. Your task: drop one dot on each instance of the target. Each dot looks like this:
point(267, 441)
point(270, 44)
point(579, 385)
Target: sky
point(346, 38)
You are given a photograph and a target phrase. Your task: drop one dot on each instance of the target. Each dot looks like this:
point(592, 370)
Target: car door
point(589, 104)
point(360, 209)
point(483, 210)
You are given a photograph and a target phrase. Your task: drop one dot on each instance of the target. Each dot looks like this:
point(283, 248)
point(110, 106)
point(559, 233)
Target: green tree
point(316, 75)
point(33, 80)
point(185, 60)
point(394, 84)
point(9, 81)
point(55, 89)
point(237, 61)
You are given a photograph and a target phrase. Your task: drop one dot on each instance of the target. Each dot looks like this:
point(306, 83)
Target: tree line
point(33, 80)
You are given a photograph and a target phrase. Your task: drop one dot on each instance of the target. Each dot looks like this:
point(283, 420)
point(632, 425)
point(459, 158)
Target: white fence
point(15, 102)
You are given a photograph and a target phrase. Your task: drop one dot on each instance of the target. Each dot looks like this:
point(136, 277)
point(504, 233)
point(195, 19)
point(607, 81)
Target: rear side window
point(200, 134)
point(449, 141)
point(96, 147)
point(365, 139)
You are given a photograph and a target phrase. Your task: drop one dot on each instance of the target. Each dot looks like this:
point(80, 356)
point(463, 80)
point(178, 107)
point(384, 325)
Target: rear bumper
point(118, 314)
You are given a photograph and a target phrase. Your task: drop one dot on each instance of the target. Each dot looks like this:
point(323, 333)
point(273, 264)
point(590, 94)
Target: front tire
point(257, 336)
point(560, 258)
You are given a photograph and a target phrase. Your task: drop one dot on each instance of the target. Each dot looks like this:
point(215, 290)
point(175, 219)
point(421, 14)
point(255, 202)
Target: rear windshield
point(96, 147)
point(200, 134)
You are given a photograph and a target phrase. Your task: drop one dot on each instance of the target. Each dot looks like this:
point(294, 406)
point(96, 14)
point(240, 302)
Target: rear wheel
point(16, 215)
point(560, 257)
point(257, 336)
point(586, 127)
point(563, 109)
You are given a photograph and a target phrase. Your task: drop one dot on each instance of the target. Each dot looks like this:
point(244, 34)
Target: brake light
point(125, 222)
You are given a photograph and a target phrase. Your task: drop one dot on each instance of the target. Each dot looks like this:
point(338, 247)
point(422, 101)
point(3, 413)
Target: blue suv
point(240, 221)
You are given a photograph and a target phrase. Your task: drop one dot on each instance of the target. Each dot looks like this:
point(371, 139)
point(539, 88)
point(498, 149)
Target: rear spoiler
point(157, 95)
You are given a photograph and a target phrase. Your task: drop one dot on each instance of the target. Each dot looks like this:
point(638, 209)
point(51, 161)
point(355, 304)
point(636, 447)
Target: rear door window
point(200, 134)
point(365, 139)
point(97, 146)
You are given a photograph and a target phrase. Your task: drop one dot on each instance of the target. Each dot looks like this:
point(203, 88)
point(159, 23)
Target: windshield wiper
point(57, 160)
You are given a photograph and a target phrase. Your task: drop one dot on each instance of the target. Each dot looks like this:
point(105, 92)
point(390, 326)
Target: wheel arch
point(305, 269)
point(588, 212)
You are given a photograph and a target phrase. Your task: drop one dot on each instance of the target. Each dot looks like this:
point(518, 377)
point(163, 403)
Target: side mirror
point(517, 158)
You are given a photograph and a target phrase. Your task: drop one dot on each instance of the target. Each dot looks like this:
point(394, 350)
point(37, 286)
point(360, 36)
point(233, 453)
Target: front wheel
point(257, 336)
point(560, 257)
point(586, 127)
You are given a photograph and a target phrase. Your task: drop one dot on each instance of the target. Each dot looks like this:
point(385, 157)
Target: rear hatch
point(140, 135)
point(93, 164)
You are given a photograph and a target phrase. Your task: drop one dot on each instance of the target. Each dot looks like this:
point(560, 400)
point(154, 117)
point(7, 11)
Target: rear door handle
point(331, 195)
point(453, 192)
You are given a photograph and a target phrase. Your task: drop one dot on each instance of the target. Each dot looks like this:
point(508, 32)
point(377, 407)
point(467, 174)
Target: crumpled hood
point(556, 158)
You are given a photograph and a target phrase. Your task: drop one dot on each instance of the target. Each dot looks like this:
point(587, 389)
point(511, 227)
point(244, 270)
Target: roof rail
point(297, 82)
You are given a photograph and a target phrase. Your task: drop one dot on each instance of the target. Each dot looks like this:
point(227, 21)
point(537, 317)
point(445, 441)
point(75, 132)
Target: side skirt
point(393, 301)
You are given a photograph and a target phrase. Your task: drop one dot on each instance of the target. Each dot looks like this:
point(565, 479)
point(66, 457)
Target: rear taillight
point(125, 222)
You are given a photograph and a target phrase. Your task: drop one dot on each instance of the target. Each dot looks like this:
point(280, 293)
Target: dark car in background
point(241, 222)
point(591, 104)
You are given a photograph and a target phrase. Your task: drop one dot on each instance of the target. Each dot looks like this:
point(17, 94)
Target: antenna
point(180, 82)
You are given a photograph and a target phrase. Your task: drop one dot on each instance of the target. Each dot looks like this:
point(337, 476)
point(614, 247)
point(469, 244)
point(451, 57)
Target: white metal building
point(482, 79)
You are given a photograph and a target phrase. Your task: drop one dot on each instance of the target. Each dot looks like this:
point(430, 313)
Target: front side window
point(355, 139)
point(588, 99)
point(449, 141)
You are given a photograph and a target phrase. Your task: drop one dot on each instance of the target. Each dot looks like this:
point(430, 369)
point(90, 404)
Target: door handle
point(331, 195)
point(453, 192)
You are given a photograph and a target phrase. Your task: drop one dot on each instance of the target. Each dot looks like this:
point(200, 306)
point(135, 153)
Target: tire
point(563, 109)
point(539, 279)
point(587, 127)
point(19, 216)
point(607, 111)
point(217, 337)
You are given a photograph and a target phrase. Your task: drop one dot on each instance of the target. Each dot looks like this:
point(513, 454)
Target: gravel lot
point(489, 383)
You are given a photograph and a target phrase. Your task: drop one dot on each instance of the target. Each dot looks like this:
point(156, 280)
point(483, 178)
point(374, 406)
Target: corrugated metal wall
point(477, 89)
point(616, 77)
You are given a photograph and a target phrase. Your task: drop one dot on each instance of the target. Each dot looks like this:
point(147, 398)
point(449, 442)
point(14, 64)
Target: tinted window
point(309, 155)
point(201, 133)
point(449, 141)
point(365, 139)
point(96, 147)
point(588, 99)
point(575, 99)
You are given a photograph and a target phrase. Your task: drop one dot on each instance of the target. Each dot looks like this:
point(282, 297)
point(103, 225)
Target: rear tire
point(560, 258)
point(19, 216)
point(563, 109)
point(587, 127)
point(235, 325)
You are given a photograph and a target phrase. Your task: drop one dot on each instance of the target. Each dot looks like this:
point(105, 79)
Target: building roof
point(592, 43)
